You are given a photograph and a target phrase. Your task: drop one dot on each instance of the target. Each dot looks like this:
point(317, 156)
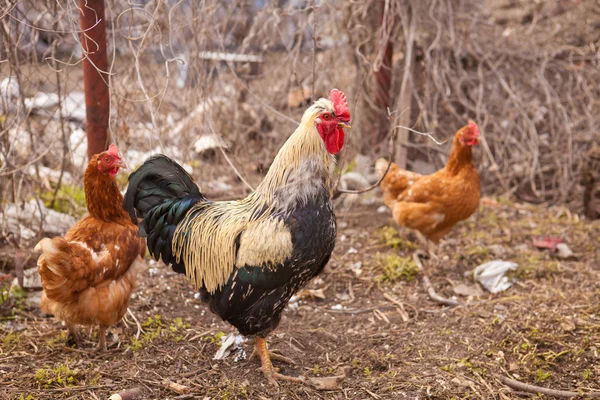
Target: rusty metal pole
point(95, 78)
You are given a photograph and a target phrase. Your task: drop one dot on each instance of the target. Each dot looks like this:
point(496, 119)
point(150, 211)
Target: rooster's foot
point(268, 370)
point(274, 355)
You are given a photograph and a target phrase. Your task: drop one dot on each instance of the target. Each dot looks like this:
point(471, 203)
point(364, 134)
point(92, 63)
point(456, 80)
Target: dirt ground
point(376, 325)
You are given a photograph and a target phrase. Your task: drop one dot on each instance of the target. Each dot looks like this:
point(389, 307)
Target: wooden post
point(95, 78)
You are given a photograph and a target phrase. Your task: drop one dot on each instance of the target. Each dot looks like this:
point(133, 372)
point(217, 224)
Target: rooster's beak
point(344, 125)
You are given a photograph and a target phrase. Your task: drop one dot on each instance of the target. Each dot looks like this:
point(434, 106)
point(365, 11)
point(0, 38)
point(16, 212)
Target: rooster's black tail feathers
point(161, 193)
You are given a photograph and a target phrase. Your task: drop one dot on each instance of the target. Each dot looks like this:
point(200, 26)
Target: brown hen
point(433, 204)
point(89, 275)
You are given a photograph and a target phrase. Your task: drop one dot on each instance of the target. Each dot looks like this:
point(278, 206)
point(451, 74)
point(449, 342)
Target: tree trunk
point(382, 72)
point(406, 92)
point(95, 78)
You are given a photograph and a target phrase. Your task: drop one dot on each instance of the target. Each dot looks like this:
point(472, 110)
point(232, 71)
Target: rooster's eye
point(326, 117)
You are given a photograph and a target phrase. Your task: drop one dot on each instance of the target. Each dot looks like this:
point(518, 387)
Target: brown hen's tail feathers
point(66, 268)
point(396, 178)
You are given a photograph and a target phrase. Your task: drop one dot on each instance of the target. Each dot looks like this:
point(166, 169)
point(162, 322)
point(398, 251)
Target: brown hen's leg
point(267, 366)
point(73, 337)
point(102, 341)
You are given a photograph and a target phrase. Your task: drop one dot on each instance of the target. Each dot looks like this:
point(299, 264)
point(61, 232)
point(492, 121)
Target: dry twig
point(525, 387)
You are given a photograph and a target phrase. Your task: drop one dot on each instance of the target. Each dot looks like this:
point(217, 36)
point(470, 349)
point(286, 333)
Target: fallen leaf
point(467, 290)
point(177, 388)
point(513, 366)
point(567, 325)
point(563, 250)
point(547, 242)
point(328, 382)
point(311, 293)
point(487, 201)
point(497, 249)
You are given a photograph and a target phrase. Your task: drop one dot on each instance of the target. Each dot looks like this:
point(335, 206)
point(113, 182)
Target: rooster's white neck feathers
point(301, 164)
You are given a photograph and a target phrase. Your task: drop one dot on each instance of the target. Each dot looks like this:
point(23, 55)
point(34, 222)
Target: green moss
point(215, 339)
point(389, 236)
point(156, 328)
point(398, 268)
point(586, 374)
point(70, 199)
point(542, 375)
point(16, 294)
point(29, 397)
point(477, 251)
point(59, 340)
point(153, 322)
point(10, 339)
point(59, 376)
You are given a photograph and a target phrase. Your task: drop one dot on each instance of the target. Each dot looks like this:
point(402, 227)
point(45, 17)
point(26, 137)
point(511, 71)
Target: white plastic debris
point(31, 278)
point(9, 88)
point(134, 158)
point(229, 343)
point(356, 267)
point(42, 100)
point(19, 216)
point(382, 209)
point(492, 275)
point(207, 142)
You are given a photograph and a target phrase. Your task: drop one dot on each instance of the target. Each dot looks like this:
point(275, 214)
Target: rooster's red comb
point(113, 151)
point(340, 105)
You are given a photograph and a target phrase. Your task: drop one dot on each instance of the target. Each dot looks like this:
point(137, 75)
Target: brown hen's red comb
point(340, 105)
point(474, 128)
point(113, 151)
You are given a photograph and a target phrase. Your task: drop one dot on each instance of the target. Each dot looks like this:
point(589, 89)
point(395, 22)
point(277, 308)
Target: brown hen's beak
point(121, 164)
point(344, 125)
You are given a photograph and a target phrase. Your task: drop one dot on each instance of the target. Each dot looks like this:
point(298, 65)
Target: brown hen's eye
point(106, 159)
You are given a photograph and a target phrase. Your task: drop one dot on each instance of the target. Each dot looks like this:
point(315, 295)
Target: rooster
point(433, 204)
point(248, 257)
point(89, 275)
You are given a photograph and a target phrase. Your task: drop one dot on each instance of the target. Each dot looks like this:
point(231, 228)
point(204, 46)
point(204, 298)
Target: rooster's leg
point(267, 366)
point(73, 337)
point(102, 341)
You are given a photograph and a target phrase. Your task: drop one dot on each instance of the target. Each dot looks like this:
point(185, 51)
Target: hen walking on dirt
point(433, 204)
point(89, 275)
point(248, 257)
